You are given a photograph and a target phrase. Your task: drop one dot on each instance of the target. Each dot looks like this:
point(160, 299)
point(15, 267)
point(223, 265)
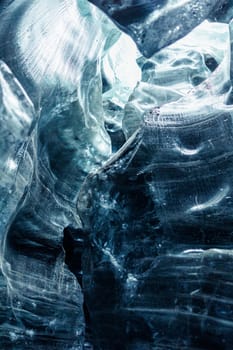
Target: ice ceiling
point(116, 168)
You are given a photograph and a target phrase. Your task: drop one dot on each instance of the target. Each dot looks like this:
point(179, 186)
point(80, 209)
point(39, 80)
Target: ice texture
point(196, 67)
point(46, 152)
point(17, 123)
point(158, 258)
point(155, 24)
point(116, 175)
point(158, 216)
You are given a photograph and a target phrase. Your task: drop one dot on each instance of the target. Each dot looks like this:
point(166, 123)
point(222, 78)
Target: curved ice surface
point(157, 24)
point(156, 262)
point(159, 217)
point(157, 255)
point(50, 42)
point(42, 299)
point(17, 121)
point(188, 72)
point(120, 74)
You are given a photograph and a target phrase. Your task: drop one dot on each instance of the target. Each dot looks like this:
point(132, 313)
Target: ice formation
point(116, 125)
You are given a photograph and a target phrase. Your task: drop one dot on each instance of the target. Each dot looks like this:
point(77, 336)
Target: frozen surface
point(46, 152)
point(17, 122)
point(155, 24)
point(159, 213)
point(159, 217)
point(144, 260)
point(195, 68)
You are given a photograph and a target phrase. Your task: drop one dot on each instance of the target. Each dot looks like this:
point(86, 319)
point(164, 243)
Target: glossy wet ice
point(149, 248)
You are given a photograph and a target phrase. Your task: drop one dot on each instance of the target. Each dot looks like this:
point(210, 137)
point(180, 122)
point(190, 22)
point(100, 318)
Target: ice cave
point(116, 175)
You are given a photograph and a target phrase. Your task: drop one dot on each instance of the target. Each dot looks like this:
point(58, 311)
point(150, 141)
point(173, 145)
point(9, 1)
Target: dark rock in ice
point(157, 24)
point(157, 271)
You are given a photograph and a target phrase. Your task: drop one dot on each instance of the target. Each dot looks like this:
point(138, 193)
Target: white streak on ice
point(217, 198)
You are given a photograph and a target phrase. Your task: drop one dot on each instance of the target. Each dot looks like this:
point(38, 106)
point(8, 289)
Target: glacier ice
point(43, 298)
point(195, 67)
point(157, 261)
point(17, 124)
point(116, 175)
point(156, 24)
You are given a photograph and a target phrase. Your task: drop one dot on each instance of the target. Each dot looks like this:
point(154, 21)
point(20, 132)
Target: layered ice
point(156, 24)
point(46, 151)
point(144, 146)
point(158, 255)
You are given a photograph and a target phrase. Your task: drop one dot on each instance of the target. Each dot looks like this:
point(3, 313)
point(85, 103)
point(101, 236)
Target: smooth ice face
point(17, 122)
point(51, 41)
point(157, 24)
point(120, 75)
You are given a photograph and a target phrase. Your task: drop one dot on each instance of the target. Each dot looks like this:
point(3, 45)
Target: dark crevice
point(73, 244)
